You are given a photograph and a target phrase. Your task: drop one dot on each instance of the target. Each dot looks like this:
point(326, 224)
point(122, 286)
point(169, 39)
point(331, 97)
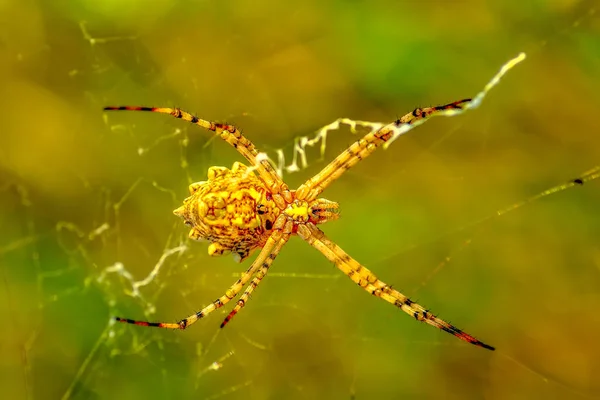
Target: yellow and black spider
point(247, 208)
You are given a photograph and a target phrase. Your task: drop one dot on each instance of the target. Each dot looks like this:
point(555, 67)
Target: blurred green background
point(86, 198)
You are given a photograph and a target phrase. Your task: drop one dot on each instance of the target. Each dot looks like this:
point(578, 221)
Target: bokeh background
point(86, 198)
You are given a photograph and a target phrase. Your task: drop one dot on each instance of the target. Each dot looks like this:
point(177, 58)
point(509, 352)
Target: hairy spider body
point(235, 211)
point(247, 208)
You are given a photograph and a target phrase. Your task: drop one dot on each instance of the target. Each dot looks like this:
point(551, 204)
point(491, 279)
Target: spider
point(243, 209)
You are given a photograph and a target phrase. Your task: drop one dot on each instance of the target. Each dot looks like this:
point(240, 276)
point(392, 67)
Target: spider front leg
point(363, 147)
point(272, 246)
point(231, 135)
point(368, 281)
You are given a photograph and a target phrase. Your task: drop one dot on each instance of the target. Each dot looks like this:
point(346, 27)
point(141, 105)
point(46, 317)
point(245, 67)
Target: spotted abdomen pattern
point(232, 209)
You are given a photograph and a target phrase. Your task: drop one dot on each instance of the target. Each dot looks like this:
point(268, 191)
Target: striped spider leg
point(363, 148)
point(260, 274)
point(369, 282)
point(274, 244)
point(235, 138)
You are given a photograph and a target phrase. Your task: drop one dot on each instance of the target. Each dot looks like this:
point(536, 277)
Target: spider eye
point(188, 223)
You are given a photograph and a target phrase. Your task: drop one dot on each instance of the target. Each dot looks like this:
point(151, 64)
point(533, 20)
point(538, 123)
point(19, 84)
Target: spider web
point(489, 218)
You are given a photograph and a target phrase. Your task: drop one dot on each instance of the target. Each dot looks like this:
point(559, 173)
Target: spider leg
point(231, 135)
point(275, 241)
point(368, 281)
point(260, 274)
point(363, 147)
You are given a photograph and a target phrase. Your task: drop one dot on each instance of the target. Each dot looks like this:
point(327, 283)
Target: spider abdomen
point(232, 210)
